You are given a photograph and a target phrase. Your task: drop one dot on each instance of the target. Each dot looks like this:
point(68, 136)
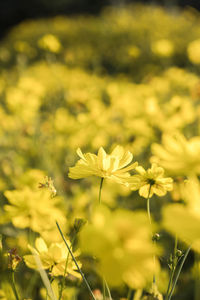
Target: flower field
point(100, 157)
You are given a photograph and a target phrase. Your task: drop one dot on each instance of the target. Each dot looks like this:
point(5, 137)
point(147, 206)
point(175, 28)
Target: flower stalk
point(148, 206)
point(130, 294)
point(172, 267)
point(100, 189)
point(65, 271)
point(178, 274)
point(74, 259)
point(13, 285)
point(106, 288)
point(149, 217)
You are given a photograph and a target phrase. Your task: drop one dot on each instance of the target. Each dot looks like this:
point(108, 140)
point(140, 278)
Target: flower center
point(151, 181)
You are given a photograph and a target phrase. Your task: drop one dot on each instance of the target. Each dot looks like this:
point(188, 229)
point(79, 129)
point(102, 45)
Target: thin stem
point(104, 290)
point(149, 216)
point(13, 285)
point(65, 271)
point(178, 273)
point(100, 188)
point(108, 290)
point(74, 259)
point(130, 294)
point(175, 246)
point(197, 276)
point(46, 298)
point(32, 283)
point(173, 268)
point(170, 282)
point(137, 295)
point(148, 205)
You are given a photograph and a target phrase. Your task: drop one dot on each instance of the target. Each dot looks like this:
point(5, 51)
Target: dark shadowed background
point(13, 12)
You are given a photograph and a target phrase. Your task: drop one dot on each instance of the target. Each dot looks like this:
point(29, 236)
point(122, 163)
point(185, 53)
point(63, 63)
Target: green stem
point(148, 208)
point(170, 282)
point(100, 188)
point(148, 205)
point(175, 246)
point(13, 285)
point(197, 276)
point(32, 283)
point(137, 295)
point(130, 294)
point(108, 290)
point(65, 271)
point(178, 273)
point(174, 264)
point(104, 290)
point(74, 259)
point(149, 216)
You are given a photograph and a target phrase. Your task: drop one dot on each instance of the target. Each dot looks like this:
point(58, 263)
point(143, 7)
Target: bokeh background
point(90, 74)
point(13, 12)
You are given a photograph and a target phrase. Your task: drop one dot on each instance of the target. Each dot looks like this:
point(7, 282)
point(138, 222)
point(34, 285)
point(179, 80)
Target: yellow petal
point(144, 191)
point(118, 152)
point(114, 164)
point(126, 159)
point(101, 159)
point(140, 170)
point(129, 168)
point(80, 154)
point(41, 245)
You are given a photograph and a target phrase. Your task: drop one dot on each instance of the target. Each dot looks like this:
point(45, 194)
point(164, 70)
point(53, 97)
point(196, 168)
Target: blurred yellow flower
point(53, 258)
point(193, 51)
point(163, 48)
point(134, 51)
point(50, 42)
point(34, 209)
point(184, 220)
point(113, 166)
point(150, 182)
point(24, 47)
point(122, 246)
point(2, 295)
point(68, 293)
point(178, 155)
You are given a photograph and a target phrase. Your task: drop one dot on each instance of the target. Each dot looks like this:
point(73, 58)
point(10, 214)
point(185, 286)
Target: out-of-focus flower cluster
point(122, 242)
point(120, 40)
point(127, 82)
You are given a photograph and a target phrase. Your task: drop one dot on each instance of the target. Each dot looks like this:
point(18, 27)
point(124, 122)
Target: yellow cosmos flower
point(113, 166)
point(178, 155)
point(50, 42)
point(53, 258)
point(184, 220)
point(150, 182)
point(193, 51)
point(163, 48)
point(35, 209)
point(122, 246)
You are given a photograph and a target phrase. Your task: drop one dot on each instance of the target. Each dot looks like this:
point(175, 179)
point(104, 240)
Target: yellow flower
point(184, 220)
point(112, 166)
point(163, 48)
point(150, 182)
point(50, 42)
point(122, 246)
point(53, 258)
point(34, 209)
point(178, 155)
point(193, 51)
